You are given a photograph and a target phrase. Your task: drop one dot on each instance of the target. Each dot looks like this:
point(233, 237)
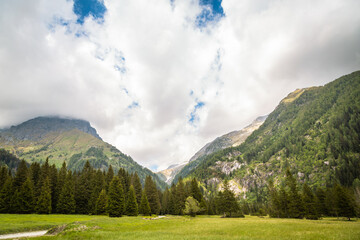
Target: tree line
point(44, 189)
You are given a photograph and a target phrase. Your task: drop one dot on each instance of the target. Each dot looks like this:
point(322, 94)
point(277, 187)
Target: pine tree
point(6, 195)
point(152, 195)
point(309, 203)
point(137, 186)
point(195, 190)
point(109, 177)
point(320, 202)
point(274, 203)
point(98, 183)
point(60, 182)
point(227, 203)
point(144, 208)
point(66, 203)
point(131, 204)
point(25, 198)
point(20, 176)
point(83, 189)
point(44, 201)
point(101, 203)
point(3, 175)
point(116, 198)
point(180, 197)
point(165, 201)
point(295, 206)
point(53, 183)
point(344, 203)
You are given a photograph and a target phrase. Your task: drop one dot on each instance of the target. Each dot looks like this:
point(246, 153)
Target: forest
point(44, 189)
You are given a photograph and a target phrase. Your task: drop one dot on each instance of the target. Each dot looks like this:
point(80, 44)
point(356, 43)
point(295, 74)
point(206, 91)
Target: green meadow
point(177, 227)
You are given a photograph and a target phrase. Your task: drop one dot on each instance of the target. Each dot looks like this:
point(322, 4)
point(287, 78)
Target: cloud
point(157, 84)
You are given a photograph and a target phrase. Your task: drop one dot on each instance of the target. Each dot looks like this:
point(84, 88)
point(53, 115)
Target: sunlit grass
point(175, 227)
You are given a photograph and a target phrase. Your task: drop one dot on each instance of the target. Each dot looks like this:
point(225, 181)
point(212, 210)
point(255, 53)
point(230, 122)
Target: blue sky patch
point(212, 12)
point(85, 8)
point(193, 116)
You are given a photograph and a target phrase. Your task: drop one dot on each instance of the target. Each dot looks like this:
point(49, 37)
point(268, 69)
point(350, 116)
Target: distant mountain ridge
point(231, 139)
point(314, 132)
point(71, 140)
point(37, 128)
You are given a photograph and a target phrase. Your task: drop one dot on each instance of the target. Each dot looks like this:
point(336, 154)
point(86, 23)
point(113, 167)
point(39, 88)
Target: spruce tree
point(109, 177)
point(25, 198)
point(137, 186)
point(101, 203)
point(295, 206)
point(6, 195)
point(152, 195)
point(131, 204)
point(274, 203)
point(320, 202)
point(116, 199)
point(195, 190)
point(83, 189)
point(66, 203)
point(344, 203)
point(227, 203)
point(165, 201)
point(20, 176)
point(180, 196)
point(144, 208)
point(3, 175)
point(43, 205)
point(53, 183)
point(309, 203)
point(60, 181)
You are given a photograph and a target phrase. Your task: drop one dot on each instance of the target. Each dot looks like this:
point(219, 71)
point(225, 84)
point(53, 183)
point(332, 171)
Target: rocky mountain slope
point(231, 139)
point(70, 140)
point(315, 132)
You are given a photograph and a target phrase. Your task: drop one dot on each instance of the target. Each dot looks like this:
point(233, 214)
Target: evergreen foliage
point(131, 204)
point(152, 195)
point(66, 203)
point(144, 208)
point(43, 205)
point(116, 201)
point(227, 204)
point(101, 203)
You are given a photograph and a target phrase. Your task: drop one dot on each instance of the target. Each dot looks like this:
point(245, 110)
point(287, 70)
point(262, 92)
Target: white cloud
point(239, 67)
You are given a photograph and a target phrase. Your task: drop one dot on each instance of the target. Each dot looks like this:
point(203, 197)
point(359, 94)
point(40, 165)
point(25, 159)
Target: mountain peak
point(35, 129)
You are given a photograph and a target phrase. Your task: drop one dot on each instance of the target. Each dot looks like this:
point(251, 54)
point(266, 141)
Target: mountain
point(231, 139)
point(168, 174)
point(315, 132)
point(70, 140)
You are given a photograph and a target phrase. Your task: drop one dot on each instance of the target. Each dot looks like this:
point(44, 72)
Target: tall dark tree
point(295, 206)
point(344, 202)
point(43, 205)
point(309, 201)
point(195, 190)
point(3, 175)
point(53, 185)
point(6, 196)
point(60, 182)
point(101, 203)
point(116, 201)
point(320, 202)
point(227, 204)
point(83, 189)
point(135, 181)
point(20, 176)
point(25, 198)
point(109, 177)
point(144, 208)
point(66, 203)
point(152, 195)
point(180, 197)
point(98, 183)
point(131, 204)
point(165, 201)
point(274, 202)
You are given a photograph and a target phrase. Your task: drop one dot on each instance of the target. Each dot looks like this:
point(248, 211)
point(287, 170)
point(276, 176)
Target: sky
point(159, 79)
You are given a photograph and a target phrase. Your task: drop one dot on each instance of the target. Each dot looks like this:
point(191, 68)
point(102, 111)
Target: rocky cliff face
point(231, 139)
point(168, 174)
point(35, 129)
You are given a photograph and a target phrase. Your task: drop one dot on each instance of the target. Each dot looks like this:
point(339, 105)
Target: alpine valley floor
point(178, 227)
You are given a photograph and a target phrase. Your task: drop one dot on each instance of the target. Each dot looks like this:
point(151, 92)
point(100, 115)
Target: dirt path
point(23, 234)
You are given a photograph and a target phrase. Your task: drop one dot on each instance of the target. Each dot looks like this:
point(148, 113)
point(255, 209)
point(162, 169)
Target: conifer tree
point(116, 199)
point(274, 203)
point(25, 198)
point(60, 182)
point(101, 203)
point(152, 195)
point(109, 177)
point(83, 189)
point(6, 195)
point(227, 203)
point(66, 203)
point(98, 183)
point(195, 190)
point(295, 206)
point(137, 186)
point(53, 183)
point(309, 203)
point(3, 175)
point(165, 201)
point(320, 202)
point(43, 205)
point(144, 208)
point(20, 176)
point(344, 203)
point(180, 197)
point(131, 204)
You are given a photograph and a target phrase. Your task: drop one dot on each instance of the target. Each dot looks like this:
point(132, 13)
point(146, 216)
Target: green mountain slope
point(314, 132)
point(72, 141)
point(231, 139)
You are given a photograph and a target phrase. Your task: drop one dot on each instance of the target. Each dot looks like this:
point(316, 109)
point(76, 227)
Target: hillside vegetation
point(314, 132)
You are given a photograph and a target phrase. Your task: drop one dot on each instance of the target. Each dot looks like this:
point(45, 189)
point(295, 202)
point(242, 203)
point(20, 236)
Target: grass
point(175, 227)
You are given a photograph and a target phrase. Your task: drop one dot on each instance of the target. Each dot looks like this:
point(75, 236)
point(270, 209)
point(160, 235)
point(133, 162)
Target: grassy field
point(174, 227)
